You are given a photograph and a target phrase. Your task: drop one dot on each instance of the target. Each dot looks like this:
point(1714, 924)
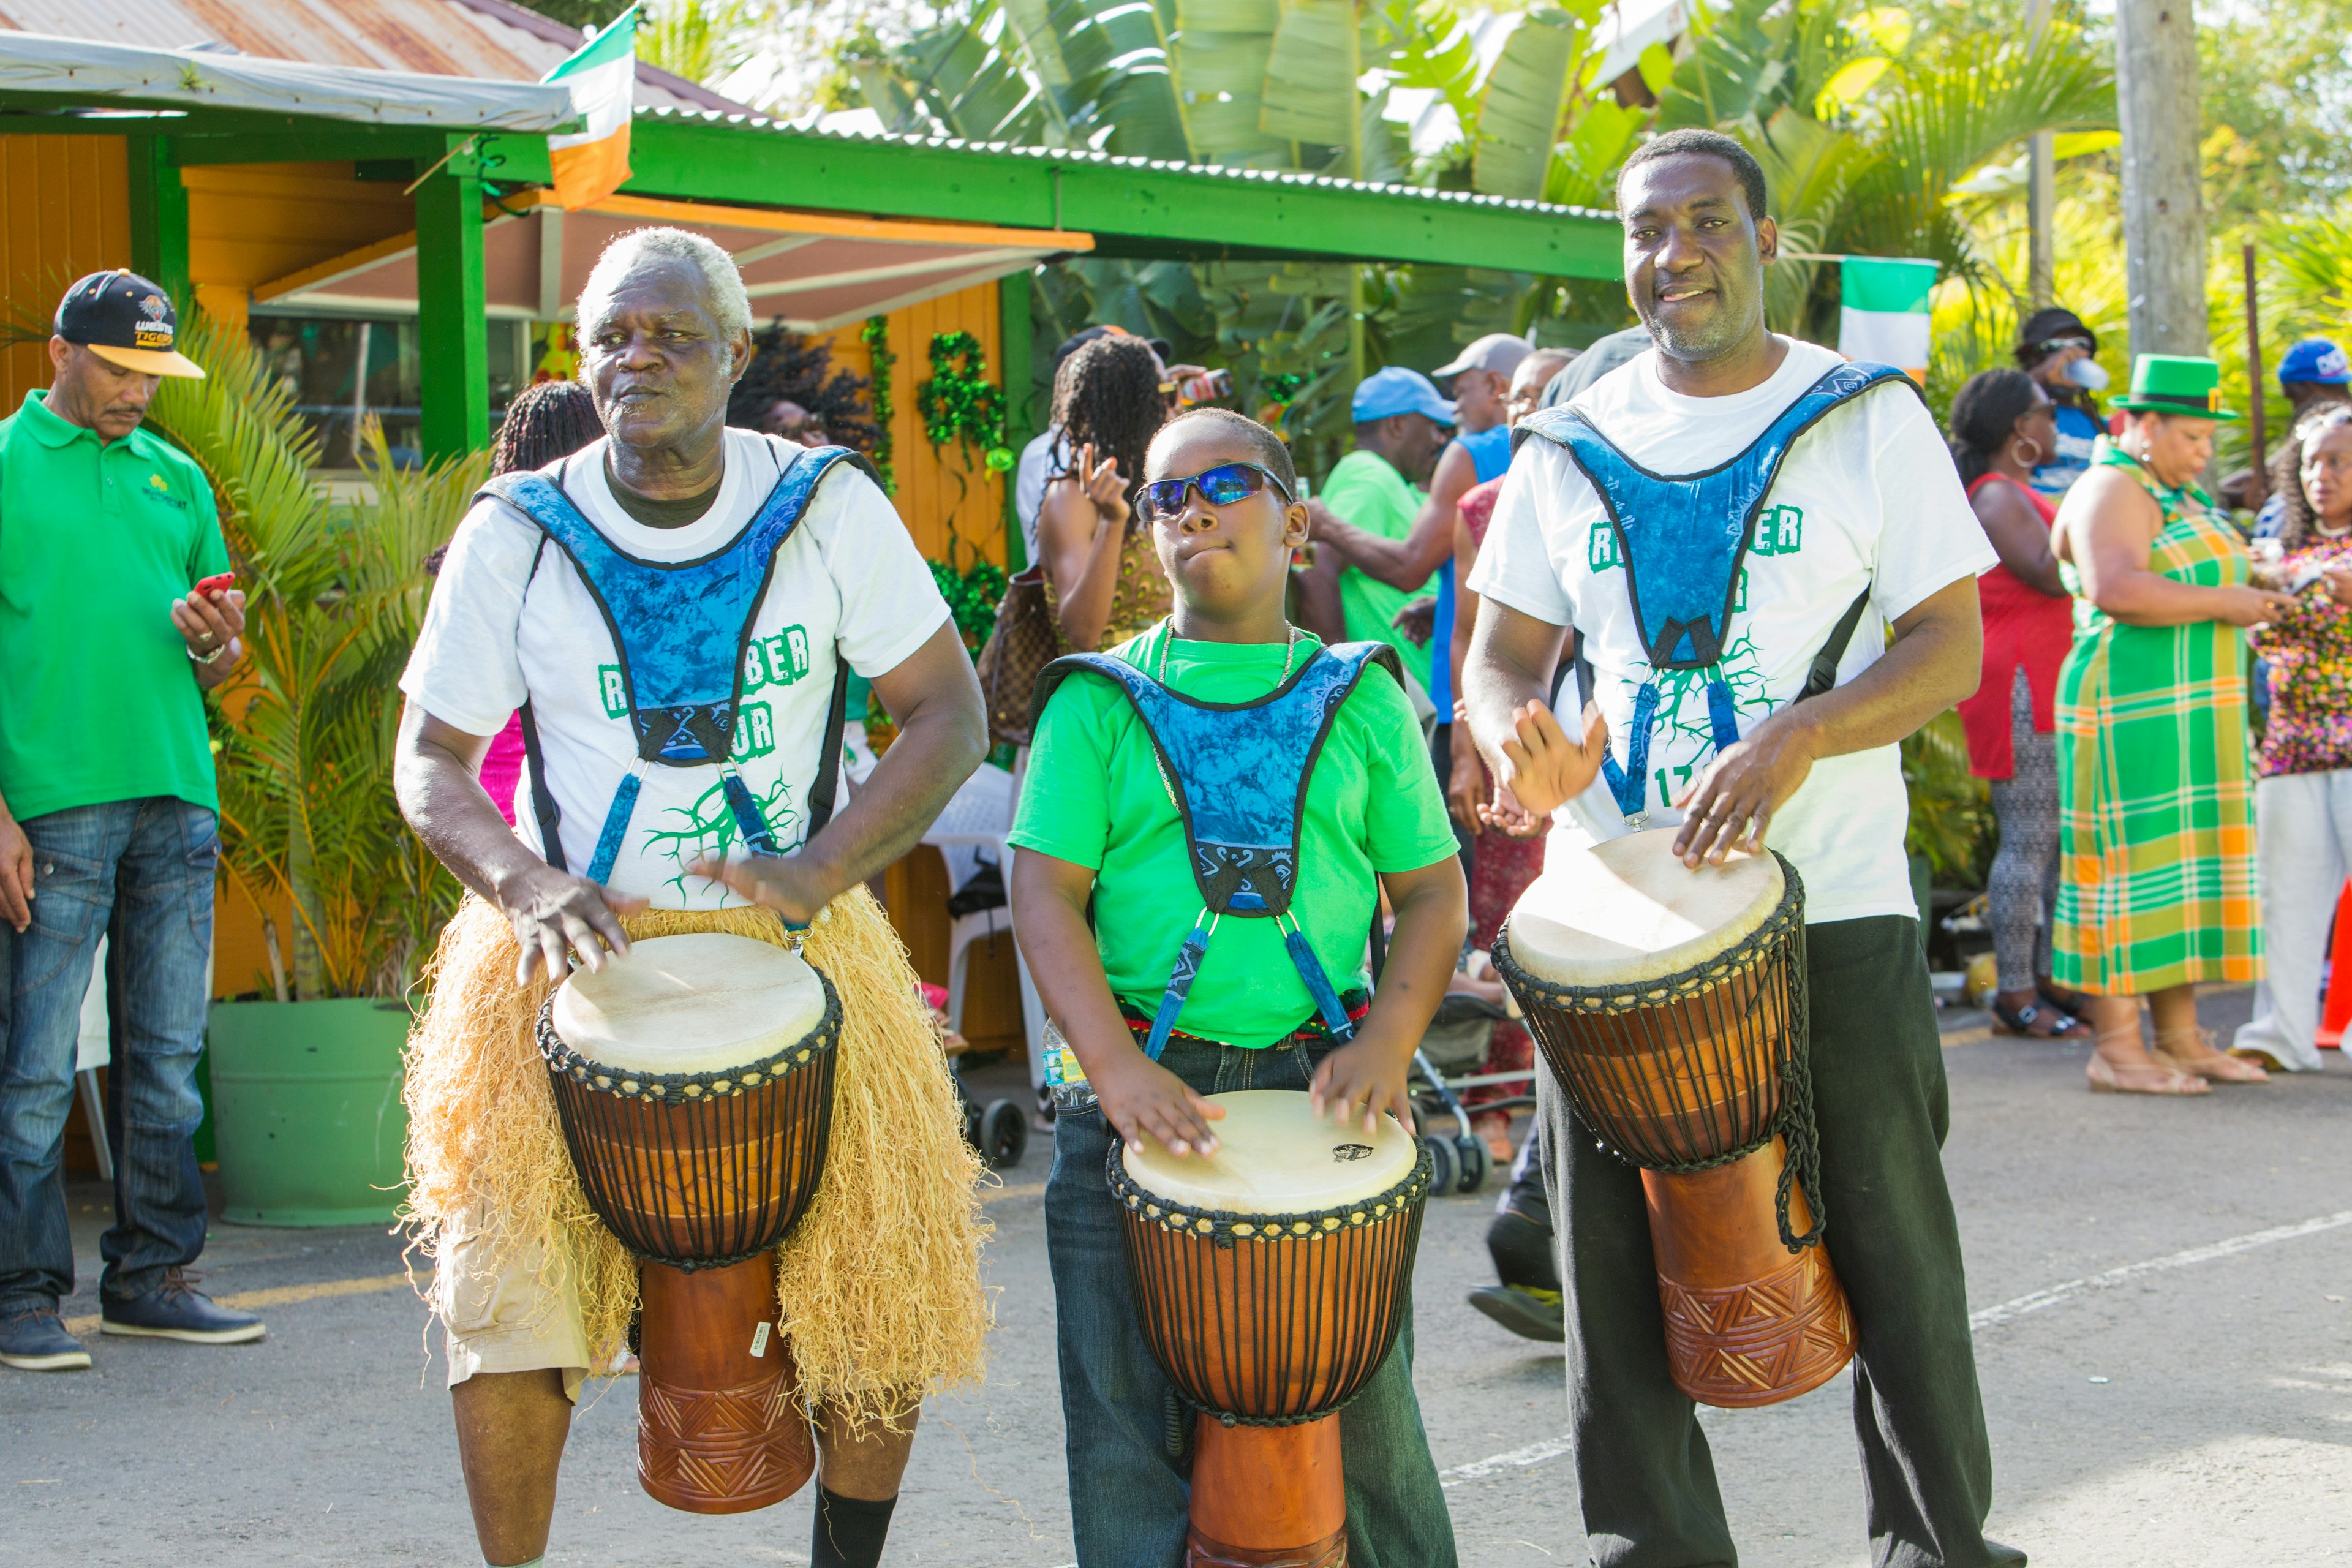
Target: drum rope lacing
point(1737, 994)
point(727, 1185)
point(1297, 1360)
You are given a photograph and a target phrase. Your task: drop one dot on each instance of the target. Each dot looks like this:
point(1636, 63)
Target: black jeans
point(1648, 1482)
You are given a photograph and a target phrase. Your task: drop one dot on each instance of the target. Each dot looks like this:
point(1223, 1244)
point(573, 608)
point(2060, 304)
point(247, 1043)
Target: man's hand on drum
point(1543, 767)
point(1142, 1098)
point(557, 916)
point(1733, 801)
point(1358, 1081)
point(792, 885)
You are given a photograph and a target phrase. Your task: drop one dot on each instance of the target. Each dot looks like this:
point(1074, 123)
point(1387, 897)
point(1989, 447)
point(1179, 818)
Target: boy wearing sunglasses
point(1165, 960)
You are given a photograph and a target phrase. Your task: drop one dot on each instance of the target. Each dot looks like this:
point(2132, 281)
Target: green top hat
point(2174, 383)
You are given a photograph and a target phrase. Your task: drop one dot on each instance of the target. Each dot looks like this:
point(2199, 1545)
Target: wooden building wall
point(64, 210)
point(249, 224)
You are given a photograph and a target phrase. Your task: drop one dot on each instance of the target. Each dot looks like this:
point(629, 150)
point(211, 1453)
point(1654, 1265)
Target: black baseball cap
point(1086, 335)
point(125, 321)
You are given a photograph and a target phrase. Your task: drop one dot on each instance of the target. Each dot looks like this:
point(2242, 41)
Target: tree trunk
point(2164, 212)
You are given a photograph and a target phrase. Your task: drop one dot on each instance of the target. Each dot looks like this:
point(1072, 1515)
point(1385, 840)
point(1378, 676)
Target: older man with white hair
point(708, 806)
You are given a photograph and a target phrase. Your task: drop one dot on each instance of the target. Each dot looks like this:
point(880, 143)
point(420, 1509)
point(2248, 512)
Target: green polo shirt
point(1094, 796)
point(100, 701)
point(1365, 490)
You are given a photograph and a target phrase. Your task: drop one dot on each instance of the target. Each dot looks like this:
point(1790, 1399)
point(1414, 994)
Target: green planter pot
point(306, 1114)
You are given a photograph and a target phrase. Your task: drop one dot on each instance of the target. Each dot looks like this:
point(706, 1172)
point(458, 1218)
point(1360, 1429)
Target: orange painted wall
point(942, 495)
point(249, 224)
point(64, 210)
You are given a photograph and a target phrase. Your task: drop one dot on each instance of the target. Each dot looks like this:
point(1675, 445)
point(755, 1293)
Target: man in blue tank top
point(1734, 522)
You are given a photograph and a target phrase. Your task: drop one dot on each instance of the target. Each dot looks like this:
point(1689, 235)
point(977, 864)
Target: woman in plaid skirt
point(2156, 794)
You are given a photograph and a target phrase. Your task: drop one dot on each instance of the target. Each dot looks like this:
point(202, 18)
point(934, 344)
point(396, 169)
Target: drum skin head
point(701, 1002)
point(1626, 911)
point(1276, 1156)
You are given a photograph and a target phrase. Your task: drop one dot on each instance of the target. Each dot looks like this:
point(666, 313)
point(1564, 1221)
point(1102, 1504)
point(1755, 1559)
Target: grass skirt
point(878, 1286)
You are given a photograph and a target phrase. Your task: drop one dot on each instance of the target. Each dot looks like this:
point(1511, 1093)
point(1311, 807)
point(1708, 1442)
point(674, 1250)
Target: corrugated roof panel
point(483, 38)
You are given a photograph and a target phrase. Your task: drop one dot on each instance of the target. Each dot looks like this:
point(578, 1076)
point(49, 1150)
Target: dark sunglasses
point(1221, 486)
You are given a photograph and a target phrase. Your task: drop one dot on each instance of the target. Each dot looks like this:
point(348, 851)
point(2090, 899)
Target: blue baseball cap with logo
point(2315, 360)
point(1399, 391)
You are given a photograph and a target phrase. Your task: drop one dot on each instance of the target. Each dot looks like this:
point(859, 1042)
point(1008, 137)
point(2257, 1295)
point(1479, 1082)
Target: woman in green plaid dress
point(2156, 794)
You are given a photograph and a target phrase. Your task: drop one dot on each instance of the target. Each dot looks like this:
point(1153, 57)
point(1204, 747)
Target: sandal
point(2062, 1026)
point(2156, 1076)
point(2221, 1067)
point(2141, 1078)
point(2058, 997)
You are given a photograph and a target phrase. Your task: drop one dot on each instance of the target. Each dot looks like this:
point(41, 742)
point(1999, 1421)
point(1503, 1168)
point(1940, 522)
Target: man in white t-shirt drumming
point(1863, 526)
point(681, 771)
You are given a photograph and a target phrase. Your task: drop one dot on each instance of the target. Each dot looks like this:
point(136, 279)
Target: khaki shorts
point(505, 1322)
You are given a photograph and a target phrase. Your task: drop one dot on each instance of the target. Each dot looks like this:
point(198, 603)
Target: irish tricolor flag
point(592, 163)
point(1885, 317)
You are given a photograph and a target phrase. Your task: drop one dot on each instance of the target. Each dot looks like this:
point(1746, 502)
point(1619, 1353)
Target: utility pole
point(2164, 211)
point(2040, 186)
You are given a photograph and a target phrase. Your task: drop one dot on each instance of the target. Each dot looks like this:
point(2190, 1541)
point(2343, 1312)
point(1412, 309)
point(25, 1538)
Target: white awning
point(815, 271)
point(100, 78)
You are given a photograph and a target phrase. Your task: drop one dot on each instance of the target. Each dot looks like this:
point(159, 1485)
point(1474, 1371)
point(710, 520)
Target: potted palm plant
point(308, 1118)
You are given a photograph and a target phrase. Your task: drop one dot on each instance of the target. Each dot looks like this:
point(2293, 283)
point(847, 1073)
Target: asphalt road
point(2195, 1408)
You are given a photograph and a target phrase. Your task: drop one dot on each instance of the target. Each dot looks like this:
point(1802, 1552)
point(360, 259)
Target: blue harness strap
point(1683, 539)
point(1238, 773)
point(682, 631)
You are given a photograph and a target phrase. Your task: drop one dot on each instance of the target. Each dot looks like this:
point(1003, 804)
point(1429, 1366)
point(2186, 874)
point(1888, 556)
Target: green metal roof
point(1133, 207)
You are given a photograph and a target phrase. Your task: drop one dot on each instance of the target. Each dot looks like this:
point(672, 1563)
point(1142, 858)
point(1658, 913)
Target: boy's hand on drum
point(556, 915)
point(1732, 803)
point(788, 884)
point(1143, 1100)
point(1360, 1080)
point(1543, 766)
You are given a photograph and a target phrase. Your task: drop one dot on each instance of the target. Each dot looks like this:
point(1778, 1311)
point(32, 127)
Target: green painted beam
point(1014, 373)
point(159, 218)
point(1132, 210)
point(452, 341)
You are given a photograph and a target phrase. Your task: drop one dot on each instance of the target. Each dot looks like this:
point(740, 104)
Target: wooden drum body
point(694, 1083)
point(1669, 1004)
point(1271, 1278)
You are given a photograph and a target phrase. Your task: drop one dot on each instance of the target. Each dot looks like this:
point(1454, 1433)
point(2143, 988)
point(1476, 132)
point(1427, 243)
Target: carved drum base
point(1747, 1323)
point(718, 1430)
point(1267, 1497)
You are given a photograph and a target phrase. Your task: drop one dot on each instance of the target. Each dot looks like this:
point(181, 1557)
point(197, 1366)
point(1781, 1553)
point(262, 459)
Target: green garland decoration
point(960, 403)
point(972, 597)
point(876, 335)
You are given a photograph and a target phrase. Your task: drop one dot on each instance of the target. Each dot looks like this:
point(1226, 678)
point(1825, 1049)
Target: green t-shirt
point(1364, 489)
point(1094, 797)
point(96, 540)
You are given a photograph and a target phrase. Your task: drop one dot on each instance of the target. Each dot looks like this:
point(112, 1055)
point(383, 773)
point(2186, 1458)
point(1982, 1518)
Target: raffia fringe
point(878, 1286)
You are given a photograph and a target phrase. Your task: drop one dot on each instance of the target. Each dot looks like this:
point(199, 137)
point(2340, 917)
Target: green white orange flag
point(1885, 317)
point(592, 163)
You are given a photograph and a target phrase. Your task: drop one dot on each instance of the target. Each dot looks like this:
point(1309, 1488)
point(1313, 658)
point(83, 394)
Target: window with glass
point(344, 369)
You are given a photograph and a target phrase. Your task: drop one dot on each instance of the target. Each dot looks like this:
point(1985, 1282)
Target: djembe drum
point(1669, 1004)
point(694, 1082)
point(1271, 1278)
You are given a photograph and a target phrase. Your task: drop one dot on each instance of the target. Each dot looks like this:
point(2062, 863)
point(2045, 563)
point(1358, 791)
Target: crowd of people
point(1470, 608)
point(2158, 830)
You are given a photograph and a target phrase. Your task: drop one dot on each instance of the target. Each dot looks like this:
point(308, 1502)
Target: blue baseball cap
point(2315, 360)
point(1399, 391)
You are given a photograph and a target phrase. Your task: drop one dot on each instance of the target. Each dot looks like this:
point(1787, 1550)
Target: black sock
point(849, 1531)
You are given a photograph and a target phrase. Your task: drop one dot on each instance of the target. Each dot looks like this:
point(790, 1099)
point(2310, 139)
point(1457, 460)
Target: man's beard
point(1723, 331)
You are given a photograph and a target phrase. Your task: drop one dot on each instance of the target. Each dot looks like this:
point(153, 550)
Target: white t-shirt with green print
point(849, 579)
point(1868, 498)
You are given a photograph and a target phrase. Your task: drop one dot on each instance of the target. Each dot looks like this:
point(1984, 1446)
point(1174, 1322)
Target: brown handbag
point(1026, 638)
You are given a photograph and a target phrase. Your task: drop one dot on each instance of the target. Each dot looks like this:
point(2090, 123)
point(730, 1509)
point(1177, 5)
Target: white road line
point(1989, 1317)
point(2008, 1311)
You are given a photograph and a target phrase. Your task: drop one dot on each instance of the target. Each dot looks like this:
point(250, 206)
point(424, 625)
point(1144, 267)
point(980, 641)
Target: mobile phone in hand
point(218, 583)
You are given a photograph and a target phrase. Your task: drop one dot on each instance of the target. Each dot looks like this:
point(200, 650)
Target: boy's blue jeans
point(1127, 1498)
point(146, 866)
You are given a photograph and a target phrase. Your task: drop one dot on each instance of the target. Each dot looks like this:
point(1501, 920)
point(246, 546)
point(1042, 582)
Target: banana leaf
point(1217, 64)
point(1525, 94)
point(1311, 91)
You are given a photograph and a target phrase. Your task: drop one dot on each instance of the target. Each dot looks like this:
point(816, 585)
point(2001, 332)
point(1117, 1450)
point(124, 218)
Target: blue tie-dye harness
point(1238, 775)
point(682, 631)
point(1683, 539)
